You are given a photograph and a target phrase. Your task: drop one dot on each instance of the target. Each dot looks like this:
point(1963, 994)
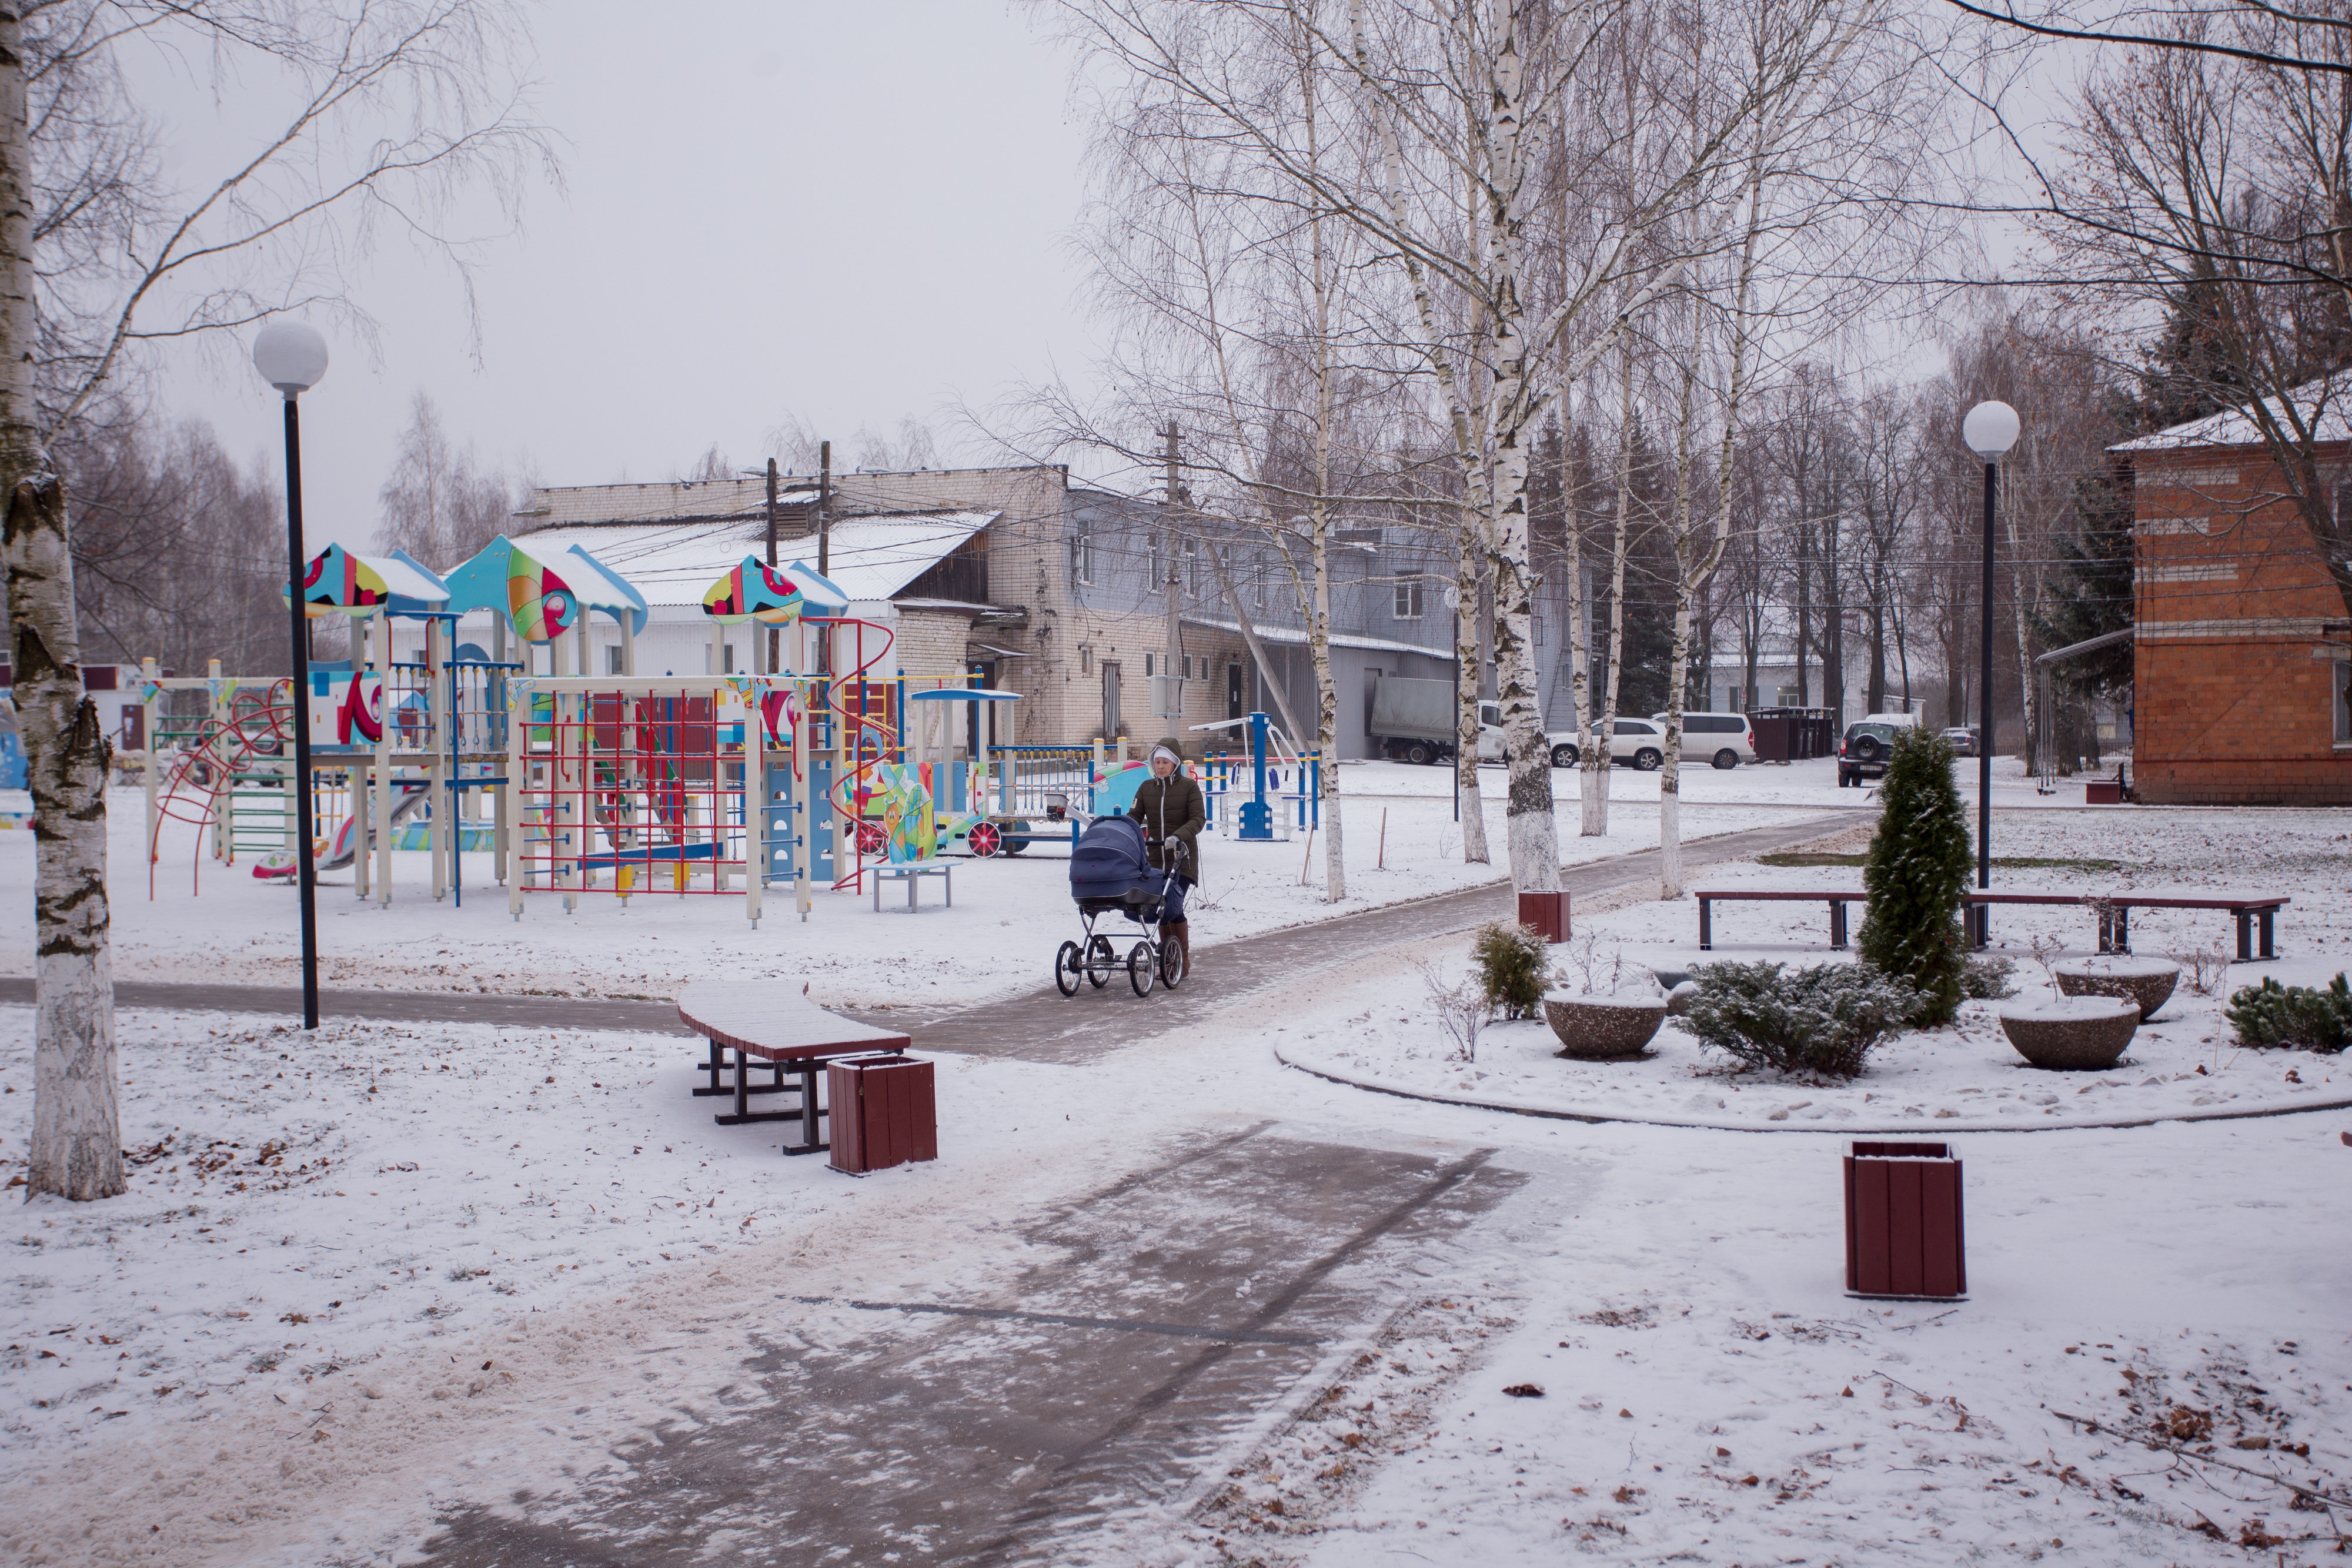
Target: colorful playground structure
point(811, 775)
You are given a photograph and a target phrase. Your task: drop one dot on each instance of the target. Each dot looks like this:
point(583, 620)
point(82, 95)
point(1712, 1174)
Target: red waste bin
point(1903, 1235)
point(1547, 912)
point(882, 1112)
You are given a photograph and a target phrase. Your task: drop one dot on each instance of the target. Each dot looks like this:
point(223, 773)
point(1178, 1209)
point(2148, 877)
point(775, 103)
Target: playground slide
point(339, 854)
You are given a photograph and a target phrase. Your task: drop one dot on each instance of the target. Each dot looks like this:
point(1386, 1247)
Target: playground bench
point(773, 1021)
point(912, 876)
point(2114, 912)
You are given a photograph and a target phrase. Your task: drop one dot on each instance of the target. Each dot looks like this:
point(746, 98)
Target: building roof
point(2325, 405)
point(689, 500)
point(673, 562)
point(1296, 637)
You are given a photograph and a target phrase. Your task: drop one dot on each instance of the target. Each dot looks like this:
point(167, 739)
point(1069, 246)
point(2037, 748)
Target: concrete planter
point(2147, 981)
point(2072, 1034)
point(1599, 1027)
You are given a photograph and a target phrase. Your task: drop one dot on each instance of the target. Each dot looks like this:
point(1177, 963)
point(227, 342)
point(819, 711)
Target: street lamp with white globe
point(292, 358)
point(1989, 431)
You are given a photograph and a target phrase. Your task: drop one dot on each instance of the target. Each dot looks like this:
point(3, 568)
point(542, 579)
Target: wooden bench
point(1836, 899)
point(2250, 910)
point(774, 1021)
point(912, 876)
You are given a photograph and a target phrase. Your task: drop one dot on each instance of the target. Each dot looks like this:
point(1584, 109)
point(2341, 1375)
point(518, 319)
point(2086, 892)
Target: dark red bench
point(2251, 910)
point(1837, 900)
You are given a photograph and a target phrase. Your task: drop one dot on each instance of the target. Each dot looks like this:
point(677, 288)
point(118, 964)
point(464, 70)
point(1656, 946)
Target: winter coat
point(1172, 808)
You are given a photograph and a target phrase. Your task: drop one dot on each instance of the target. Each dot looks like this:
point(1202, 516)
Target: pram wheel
point(1069, 965)
point(1101, 962)
point(1171, 963)
point(1142, 967)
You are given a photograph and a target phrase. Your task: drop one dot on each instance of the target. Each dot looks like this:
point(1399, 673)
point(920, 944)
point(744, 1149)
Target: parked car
point(1721, 739)
point(1963, 739)
point(1565, 751)
point(1864, 751)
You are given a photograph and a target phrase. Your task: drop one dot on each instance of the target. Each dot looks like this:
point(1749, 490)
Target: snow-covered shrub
point(1989, 979)
point(2299, 1017)
point(1821, 1020)
point(1461, 1009)
point(1917, 875)
point(1510, 960)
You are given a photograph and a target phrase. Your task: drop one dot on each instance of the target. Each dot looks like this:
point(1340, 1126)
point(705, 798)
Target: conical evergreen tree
point(1917, 875)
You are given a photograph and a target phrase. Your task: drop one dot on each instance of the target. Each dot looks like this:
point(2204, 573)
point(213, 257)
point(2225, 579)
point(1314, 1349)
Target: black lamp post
point(292, 358)
point(1990, 430)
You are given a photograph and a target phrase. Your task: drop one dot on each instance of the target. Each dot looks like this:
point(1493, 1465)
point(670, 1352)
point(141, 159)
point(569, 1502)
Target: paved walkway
point(1168, 1312)
point(1042, 1026)
point(1108, 1356)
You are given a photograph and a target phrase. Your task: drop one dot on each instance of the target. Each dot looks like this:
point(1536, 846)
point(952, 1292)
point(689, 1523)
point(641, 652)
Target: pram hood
point(1109, 861)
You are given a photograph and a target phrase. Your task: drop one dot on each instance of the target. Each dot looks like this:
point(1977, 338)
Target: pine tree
point(2091, 592)
point(1917, 876)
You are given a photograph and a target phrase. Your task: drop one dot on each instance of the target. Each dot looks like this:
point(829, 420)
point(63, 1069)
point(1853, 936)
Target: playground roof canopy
point(345, 582)
point(673, 564)
point(599, 587)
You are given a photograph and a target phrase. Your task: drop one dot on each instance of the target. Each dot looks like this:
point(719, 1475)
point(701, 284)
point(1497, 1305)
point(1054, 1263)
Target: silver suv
point(1722, 739)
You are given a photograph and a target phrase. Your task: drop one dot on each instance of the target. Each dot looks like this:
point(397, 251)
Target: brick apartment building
point(2242, 674)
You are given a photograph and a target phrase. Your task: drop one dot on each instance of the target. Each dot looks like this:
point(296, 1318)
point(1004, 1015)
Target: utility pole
point(1175, 653)
point(774, 633)
point(824, 520)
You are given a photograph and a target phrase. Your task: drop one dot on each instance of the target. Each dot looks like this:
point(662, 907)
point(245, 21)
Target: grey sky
point(848, 212)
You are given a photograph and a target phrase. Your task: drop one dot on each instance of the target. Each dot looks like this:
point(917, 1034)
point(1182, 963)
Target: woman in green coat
point(1171, 810)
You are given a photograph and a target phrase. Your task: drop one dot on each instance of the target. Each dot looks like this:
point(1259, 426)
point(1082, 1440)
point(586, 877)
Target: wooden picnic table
point(774, 1021)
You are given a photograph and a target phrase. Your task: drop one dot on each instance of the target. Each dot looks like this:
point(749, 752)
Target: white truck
point(1412, 721)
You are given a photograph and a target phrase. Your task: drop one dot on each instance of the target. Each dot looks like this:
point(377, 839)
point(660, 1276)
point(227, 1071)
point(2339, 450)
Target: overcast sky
point(849, 212)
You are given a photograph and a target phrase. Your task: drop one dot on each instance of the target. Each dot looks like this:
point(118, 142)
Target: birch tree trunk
point(1326, 687)
point(1466, 701)
point(1578, 681)
point(77, 1144)
point(1595, 783)
point(1670, 771)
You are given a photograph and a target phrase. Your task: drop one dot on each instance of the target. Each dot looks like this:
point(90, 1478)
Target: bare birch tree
point(390, 111)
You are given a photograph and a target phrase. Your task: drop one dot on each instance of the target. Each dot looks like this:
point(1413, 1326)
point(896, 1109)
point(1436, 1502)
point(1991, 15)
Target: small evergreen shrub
point(1917, 876)
point(1510, 961)
point(1989, 979)
point(1822, 1019)
point(2297, 1018)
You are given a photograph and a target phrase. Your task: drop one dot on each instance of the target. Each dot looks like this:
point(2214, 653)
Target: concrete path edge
point(1307, 1063)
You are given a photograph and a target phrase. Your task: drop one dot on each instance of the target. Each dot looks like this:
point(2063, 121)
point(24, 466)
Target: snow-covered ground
point(389, 1264)
point(2185, 1060)
point(1010, 913)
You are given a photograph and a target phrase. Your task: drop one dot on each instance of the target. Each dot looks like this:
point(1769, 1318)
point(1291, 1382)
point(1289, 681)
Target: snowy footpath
point(447, 1293)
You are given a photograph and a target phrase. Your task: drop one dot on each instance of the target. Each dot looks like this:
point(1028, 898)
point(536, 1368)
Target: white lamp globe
point(1990, 430)
point(292, 357)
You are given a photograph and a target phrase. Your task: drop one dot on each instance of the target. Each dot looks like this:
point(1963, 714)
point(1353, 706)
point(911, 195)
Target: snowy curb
point(1323, 1068)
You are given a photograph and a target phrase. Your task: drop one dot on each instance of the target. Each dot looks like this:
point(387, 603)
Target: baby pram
point(1111, 874)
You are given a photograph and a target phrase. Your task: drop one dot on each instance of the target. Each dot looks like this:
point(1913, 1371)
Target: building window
point(2341, 673)
point(1192, 566)
point(1188, 666)
point(727, 653)
point(1538, 630)
point(1148, 671)
point(1159, 571)
point(1085, 658)
point(1082, 554)
point(1263, 569)
point(613, 660)
point(1408, 600)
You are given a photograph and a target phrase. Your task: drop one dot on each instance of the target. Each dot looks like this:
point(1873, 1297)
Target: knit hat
point(1160, 751)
